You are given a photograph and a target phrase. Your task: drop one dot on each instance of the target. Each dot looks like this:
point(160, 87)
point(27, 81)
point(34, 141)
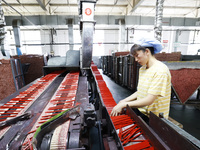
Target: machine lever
point(14, 120)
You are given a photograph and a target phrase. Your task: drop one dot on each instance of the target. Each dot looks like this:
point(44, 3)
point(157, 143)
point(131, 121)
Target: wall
point(55, 21)
point(61, 36)
point(111, 36)
point(183, 40)
point(171, 43)
point(106, 40)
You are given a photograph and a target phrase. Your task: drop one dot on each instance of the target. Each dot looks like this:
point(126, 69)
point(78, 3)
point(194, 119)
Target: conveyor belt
point(76, 125)
point(18, 105)
point(63, 99)
point(132, 131)
point(22, 128)
point(128, 131)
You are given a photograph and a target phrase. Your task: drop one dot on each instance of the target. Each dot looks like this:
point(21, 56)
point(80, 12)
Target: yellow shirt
point(155, 80)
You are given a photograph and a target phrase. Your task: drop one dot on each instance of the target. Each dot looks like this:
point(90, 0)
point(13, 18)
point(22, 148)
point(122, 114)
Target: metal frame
point(17, 72)
point(87, 30)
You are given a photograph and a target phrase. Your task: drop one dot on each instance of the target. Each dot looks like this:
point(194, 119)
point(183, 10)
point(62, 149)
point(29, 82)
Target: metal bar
point(148, 132)
point(41, 5)
point(165, 131)
point(87, 45)
point(87, 31)
point(13, 72)
point(75, 125)
point(19, 73)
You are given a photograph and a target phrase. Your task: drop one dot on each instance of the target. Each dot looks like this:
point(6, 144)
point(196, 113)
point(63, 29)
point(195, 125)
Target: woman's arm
point(146, 101)
point(130, 98)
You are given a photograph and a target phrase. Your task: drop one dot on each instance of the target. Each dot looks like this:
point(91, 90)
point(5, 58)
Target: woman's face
point(141, 57)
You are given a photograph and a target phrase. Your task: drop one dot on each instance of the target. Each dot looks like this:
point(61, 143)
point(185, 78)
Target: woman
point(154, 86)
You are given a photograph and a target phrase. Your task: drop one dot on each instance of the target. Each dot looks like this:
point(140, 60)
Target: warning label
point(88, 11)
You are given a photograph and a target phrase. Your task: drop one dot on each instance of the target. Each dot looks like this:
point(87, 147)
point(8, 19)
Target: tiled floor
point(187, 115)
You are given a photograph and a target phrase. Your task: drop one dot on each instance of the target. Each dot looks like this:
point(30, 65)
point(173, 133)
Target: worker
point(154, 85)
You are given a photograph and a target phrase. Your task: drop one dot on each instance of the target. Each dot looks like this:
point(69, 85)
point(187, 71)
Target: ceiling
point(172, 8)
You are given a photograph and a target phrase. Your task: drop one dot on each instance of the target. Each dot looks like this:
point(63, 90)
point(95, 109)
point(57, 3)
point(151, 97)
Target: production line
point(69, 108)
point(93, 103)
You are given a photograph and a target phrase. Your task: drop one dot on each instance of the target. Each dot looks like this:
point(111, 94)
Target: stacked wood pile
point(7, 86)
point(35, 69)
point(175, 56)
point(185, 82)
point(116, 54)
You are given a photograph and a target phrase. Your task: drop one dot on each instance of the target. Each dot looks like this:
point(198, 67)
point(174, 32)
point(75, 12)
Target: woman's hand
point(118, 109)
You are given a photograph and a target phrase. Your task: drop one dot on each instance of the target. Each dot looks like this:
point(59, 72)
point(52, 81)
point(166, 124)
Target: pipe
point(158, 19)
point(2, 30)
point(16, 29)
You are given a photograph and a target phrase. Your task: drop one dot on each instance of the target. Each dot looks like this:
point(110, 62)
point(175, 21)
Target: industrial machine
point(69, 108)
point(38, 106)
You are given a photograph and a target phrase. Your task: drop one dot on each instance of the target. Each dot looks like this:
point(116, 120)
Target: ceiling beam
point(63, 5)
point(45, 20)
point(169, 7)
point(123, 6)
point(132, 6)
point(98, 5)
point(42, 5)
point(48, 7)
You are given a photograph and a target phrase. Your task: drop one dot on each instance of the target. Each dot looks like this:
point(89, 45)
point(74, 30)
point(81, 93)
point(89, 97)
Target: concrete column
point(122, 34)
point(176, 39)
point(16, 29)
point(70, 34)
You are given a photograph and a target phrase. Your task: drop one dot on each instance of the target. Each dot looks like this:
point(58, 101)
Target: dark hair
point(137, 47)
point(151, 50)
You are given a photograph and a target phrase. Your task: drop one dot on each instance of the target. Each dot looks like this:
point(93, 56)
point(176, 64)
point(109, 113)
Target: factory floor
point(187, 115)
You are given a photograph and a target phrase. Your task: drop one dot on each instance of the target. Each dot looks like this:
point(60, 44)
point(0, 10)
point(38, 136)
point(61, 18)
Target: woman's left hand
point(117, 109)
